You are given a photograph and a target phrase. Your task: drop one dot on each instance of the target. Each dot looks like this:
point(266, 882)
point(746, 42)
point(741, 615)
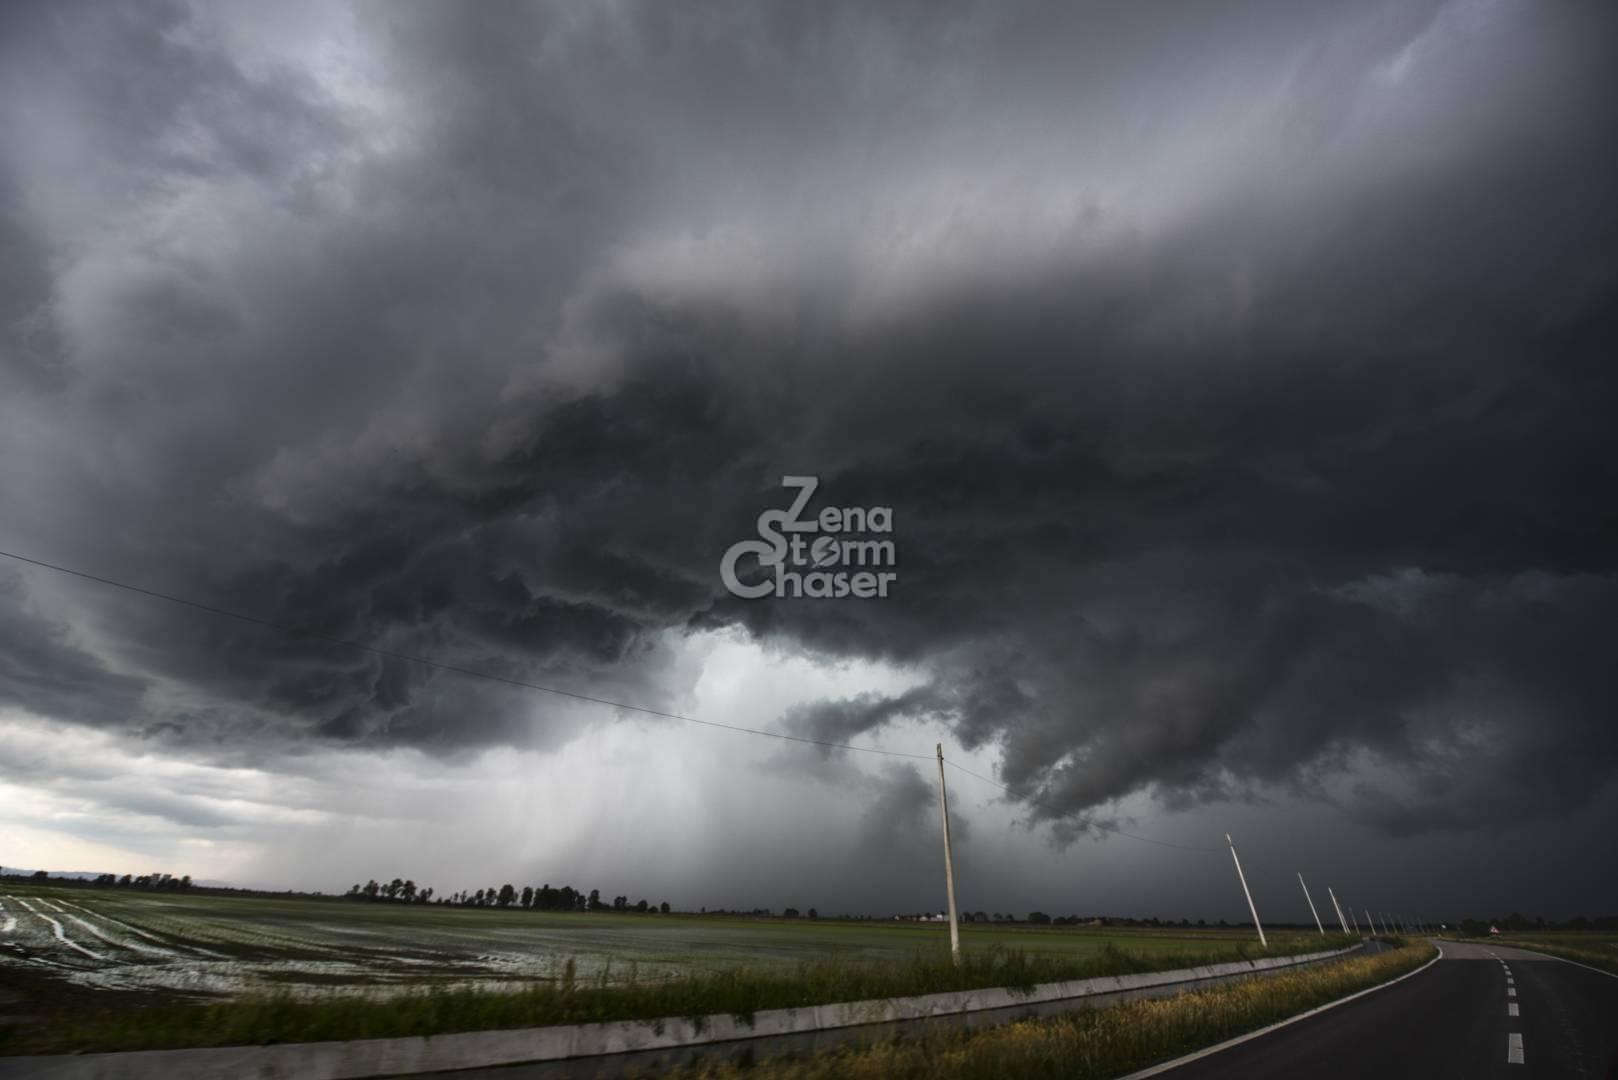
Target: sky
point(1236, 379)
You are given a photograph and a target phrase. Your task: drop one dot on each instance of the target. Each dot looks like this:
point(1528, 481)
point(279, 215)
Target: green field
point(86, 967)
point(1596, 949)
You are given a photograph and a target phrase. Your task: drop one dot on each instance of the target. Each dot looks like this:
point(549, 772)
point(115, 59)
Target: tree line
point(542, 898)
point(128, 881)
point(1518, 923)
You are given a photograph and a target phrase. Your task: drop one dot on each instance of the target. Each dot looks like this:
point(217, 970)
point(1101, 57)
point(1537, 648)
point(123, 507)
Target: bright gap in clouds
point(86, 799)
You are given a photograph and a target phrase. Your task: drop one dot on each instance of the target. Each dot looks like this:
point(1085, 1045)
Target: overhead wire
point(392, 654)
point(457, 669)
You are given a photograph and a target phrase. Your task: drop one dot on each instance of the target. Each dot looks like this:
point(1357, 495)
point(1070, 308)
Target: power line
point(1110, 829)
point(522, 684)
point(471, 672)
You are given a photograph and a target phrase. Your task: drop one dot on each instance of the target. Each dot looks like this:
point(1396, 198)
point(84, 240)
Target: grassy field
point(94, 968)
point(1089, 1044)
point(1596, 949)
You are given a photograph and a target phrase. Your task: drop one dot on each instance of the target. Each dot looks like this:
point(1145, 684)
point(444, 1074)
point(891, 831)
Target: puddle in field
point(137, 944)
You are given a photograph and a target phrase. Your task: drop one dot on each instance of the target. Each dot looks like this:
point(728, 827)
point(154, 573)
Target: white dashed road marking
point(1511, 991)
point(1514, 1050)
point(1511, 1010)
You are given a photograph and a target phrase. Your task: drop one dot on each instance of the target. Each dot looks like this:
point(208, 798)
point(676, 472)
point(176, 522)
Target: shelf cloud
point(1239, 381)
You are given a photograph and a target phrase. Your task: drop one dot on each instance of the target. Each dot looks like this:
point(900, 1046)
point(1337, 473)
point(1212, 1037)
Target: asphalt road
point(1452, 1020)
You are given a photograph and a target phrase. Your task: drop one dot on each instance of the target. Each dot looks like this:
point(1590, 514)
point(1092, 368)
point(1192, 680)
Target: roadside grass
point(1092, 1043)
point(611, 995)
point(1598, 952)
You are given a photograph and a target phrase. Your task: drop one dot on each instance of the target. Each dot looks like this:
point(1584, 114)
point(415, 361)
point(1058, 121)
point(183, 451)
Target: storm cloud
point(1240, 381)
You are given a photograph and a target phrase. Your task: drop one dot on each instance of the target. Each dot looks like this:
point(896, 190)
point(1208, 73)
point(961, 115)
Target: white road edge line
point(1575, 963)
point(1209, 1051)
point(1514, 1049)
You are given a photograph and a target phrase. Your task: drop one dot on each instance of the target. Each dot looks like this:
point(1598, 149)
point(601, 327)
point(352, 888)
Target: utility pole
point(1340, 920)
point(949, 864)
point(1312, 910)
point(1243, 879)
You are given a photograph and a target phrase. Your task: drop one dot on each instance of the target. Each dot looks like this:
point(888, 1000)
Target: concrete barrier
point(577, 1046)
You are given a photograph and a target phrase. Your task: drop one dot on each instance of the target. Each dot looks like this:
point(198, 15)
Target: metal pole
point(1243, 879)
point(949, 864)
point(1370, 922)
point(1355, 923)
point(1340, 920)
point(1312, 910)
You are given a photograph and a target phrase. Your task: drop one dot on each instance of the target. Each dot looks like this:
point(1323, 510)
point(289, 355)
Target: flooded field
point(199, 946)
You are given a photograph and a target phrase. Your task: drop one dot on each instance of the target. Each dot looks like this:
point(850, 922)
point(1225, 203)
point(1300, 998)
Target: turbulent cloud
point(1244, 410)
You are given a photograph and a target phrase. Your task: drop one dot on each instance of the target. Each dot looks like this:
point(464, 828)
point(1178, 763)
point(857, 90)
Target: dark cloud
point(1245, 410)
point(44, 671)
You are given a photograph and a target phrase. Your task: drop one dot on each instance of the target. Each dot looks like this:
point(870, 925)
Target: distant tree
point(478, 898)
point(1039, 918)
point(408, 890)
point(664, 907)
point(642, 906)
point(790, 913)
point(371, 888)
point(595, 903)
point(527, 896)
point(813, 914)
point(506, 896)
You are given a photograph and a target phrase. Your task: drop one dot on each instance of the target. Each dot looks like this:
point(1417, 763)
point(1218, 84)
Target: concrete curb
point(360, 1058)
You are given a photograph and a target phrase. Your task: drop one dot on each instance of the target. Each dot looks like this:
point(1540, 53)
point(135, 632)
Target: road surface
point(1482, 1011)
